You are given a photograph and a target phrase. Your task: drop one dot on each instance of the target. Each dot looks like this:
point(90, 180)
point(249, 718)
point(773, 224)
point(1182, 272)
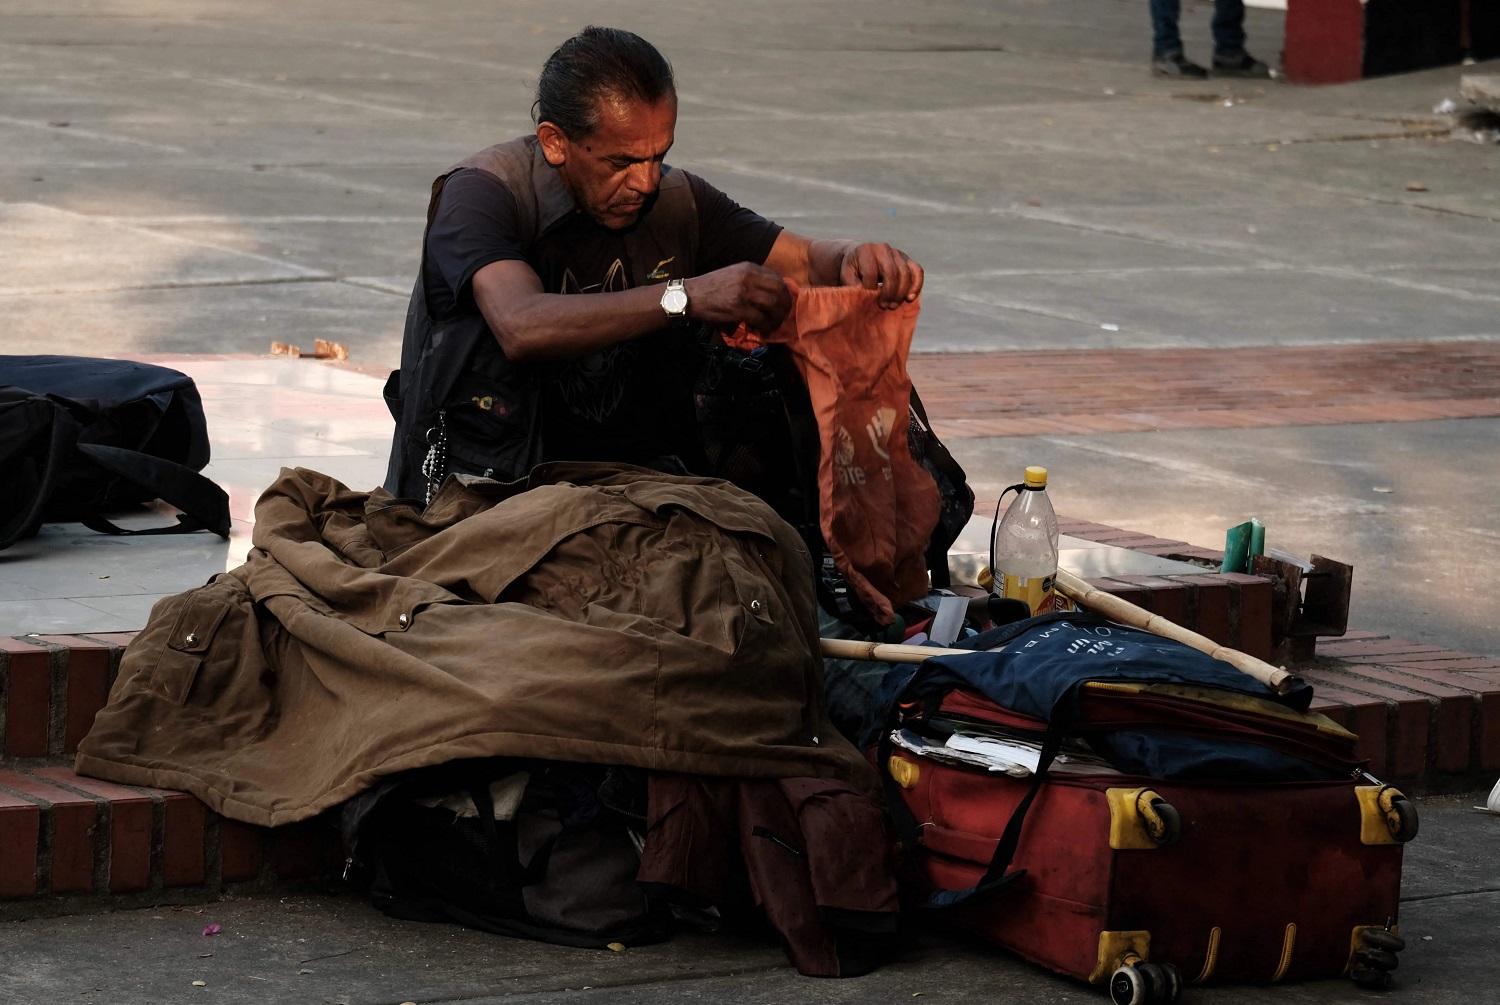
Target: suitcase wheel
point(1374, 980)
point(1172, 984)
point(1141, 819)
point(1127, 986)
point(1143, 983)
point(1163, 822)
point(1383, 938)
point(1401, 818)
point(1376, 959)
point(1387, 816)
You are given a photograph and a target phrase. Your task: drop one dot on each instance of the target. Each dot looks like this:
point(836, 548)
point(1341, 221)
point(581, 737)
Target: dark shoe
point(1175, 64)
point(1240, 64)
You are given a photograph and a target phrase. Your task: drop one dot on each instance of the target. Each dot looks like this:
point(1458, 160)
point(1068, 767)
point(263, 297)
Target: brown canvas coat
point(590, 612)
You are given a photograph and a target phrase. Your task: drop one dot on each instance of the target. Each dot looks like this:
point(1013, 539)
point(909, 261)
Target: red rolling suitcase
point(1141, 883)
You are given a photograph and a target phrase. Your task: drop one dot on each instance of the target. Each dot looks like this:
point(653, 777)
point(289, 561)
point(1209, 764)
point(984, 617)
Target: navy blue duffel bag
point(81, 438)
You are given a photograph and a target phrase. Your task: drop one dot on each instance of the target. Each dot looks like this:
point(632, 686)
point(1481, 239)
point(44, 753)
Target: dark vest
point(460, 405)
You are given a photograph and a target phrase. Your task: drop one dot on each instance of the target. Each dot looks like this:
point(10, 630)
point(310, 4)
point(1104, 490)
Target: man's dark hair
point(594, 65)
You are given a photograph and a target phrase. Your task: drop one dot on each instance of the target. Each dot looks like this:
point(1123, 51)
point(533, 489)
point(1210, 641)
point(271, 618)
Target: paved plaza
point(1194, 302)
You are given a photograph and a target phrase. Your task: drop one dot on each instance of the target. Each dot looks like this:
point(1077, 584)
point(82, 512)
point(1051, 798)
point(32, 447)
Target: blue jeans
point(1228, 27)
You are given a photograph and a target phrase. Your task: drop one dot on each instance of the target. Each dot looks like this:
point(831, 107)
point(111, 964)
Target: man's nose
point(644, 177)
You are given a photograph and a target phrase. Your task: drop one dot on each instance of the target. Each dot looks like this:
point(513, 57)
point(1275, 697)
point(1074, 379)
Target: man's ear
point(554, 143)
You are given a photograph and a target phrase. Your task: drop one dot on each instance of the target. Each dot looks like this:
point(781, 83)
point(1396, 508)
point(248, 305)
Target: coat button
point(756, 605)
point(404, 620)
point(192, 639)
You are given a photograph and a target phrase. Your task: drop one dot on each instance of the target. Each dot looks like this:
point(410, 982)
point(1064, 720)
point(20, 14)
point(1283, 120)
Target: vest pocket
point(492, 427)
point(395, 401)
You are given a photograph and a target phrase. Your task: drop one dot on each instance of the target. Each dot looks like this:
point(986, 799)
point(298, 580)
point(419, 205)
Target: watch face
point(674, 300)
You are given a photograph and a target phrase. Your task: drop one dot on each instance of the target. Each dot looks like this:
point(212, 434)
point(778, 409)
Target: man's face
point(612, 171)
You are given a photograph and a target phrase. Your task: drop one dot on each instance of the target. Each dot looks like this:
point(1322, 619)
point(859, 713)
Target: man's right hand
point(746, 293)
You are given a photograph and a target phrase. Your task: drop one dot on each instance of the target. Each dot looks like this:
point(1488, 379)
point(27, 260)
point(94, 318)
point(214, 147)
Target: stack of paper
point(1017, 758)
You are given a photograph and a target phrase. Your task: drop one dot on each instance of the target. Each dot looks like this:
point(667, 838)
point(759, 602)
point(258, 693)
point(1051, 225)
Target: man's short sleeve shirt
point(632, 401)
point(476, 224)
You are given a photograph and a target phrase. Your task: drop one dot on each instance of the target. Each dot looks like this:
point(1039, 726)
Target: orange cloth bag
point(877, 505)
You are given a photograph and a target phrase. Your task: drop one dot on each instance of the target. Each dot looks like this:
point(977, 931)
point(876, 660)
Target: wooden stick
point(886, 652)
point(1106, 604)
point(1127, 613)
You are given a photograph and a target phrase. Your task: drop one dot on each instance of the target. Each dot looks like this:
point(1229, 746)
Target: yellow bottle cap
point(1036, 477)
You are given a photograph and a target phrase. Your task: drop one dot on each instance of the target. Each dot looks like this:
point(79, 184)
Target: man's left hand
point(884, 268)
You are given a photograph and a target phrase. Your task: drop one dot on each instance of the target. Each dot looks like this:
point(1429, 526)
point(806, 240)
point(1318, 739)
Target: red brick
point(1071, 525)
point(1461, 681)
point(121, 639)
point(1164, 550)
point(1347, 648)
point(1407, 758)
point(1089, 531)
point(240, 851)
point(1123, 538)
point(20, 833)
point(1376, 651)
point(1490, 679)
point(28, 705)
point(1213, 555)
point(88, 684)
point(1369, 385)
point(1486, 696)
point(1355, 634)
point(1388, 659)
point(1330, 709)
point(1212, 601)
point(1120, 588)
point(184, 820)
point(1365, 717)
point(69, 831)
point(130, 827)
point(1466, 664)
point(304, 850)
point(1253, 600)
point(1169, 598)
point(1455, 713)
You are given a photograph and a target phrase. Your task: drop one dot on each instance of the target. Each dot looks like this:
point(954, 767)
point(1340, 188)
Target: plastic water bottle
point(1025, 546)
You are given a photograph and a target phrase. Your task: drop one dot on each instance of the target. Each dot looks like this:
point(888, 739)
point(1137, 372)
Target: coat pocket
point(188, 642)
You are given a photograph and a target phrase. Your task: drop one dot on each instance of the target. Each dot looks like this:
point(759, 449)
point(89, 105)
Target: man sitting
point(502, 366)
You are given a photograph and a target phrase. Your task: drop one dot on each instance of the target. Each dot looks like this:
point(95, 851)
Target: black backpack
point(527, 848)
point(82, 437)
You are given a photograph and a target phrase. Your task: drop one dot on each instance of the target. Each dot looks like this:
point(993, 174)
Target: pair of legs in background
point(1230, 58)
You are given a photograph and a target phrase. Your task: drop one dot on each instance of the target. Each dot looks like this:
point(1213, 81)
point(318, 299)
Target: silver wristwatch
point(674, 300)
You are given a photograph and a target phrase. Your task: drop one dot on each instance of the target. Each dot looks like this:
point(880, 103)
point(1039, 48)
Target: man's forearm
point(825, 261)
point(531, 324)
point(540, 326)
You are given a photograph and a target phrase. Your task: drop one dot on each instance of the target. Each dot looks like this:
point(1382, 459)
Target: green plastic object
point(1242, 542)
point(1237, 548)
point(1257, 542)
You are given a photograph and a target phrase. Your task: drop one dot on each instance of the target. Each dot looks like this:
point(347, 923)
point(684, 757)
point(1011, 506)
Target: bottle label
point(1037, 592)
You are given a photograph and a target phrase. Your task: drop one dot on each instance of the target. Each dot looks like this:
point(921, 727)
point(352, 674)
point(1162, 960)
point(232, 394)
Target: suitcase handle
point(998, 875)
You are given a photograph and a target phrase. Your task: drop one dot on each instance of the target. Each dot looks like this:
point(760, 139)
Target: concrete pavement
point(203, 177)
point(328, 947)
point(206, 178)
